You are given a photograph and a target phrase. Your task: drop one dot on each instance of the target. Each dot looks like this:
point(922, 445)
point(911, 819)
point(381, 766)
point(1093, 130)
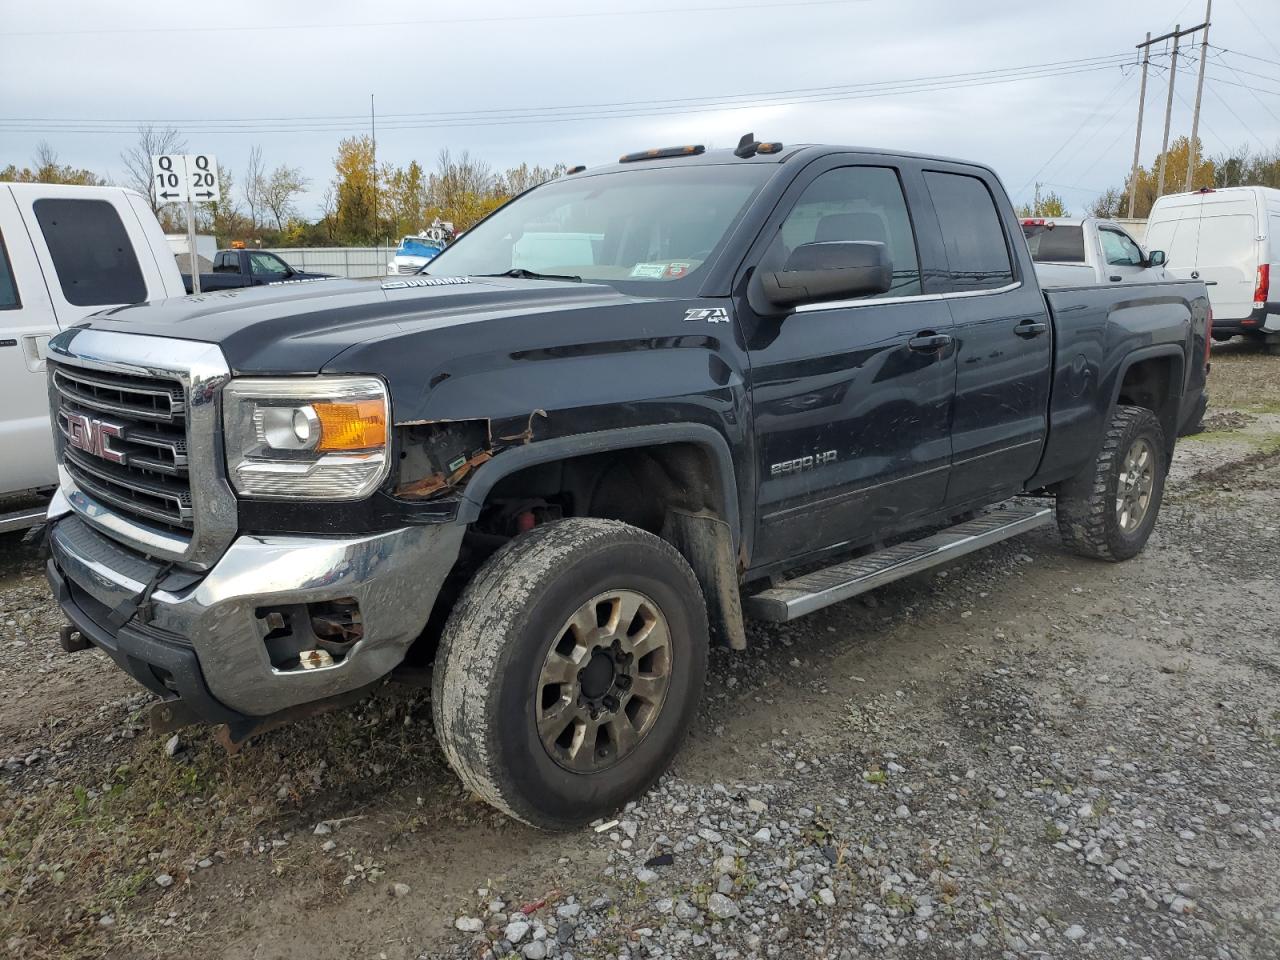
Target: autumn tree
point(279, 191)
point(524, 177)
point(1107, 205)
point(1242, 167)
point(355, 188)
point(46, 168)
point(1047, 205)
point(255, 186)
point(405, 206)
point(152, 141)
point(225, 219)
point(1175, 176)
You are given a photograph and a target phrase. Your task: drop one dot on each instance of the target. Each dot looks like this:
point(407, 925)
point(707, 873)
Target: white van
point(65, 252)
point(1230, 239)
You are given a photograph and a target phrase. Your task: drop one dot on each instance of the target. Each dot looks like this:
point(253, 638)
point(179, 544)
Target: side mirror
point(1156, 258)
point(834, 270)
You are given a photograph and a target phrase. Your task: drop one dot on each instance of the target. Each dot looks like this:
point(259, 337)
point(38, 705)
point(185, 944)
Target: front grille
point(407, 269)
point(124, 442)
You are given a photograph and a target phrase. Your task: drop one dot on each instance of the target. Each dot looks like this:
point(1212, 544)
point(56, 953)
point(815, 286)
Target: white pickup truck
point(1069, 252)
point(65, 252)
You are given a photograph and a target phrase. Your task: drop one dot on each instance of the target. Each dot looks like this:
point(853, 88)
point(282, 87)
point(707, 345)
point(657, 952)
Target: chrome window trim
point(202, 371)
point(917, 298)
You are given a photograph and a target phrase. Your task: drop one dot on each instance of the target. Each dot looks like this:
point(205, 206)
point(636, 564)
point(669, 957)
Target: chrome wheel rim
point(603, 681)
point(1136, 483)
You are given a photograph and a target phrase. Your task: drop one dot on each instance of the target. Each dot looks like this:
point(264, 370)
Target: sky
point(1042, 92)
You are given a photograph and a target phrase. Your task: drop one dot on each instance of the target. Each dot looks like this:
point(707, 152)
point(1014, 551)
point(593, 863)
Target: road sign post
point(187, 179)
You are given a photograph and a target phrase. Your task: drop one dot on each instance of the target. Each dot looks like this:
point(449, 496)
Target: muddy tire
point(570, 670)
point(1108, 510)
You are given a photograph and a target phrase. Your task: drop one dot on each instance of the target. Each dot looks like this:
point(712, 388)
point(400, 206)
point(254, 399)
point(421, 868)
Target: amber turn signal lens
point(361, 425)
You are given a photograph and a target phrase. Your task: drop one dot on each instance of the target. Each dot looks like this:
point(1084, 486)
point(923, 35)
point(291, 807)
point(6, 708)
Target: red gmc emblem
point(93, 436)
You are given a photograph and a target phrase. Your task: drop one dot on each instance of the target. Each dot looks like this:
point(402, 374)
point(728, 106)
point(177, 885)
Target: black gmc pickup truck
point(237, 268)
point(630, 407)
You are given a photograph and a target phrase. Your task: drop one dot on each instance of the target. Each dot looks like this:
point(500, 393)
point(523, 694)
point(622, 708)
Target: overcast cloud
point(329, 56)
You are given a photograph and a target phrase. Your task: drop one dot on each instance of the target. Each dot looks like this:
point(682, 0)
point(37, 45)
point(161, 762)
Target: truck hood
point(298, 328)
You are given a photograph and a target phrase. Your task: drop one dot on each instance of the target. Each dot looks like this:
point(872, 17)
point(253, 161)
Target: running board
point(21, 519)
point(813, 591)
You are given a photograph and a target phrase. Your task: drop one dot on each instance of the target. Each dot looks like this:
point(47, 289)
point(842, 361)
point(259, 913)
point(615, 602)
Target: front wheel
point(1108, 510)
point(570, 670)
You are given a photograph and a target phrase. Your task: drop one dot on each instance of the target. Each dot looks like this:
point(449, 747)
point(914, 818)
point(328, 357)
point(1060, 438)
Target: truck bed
point(1099, 333)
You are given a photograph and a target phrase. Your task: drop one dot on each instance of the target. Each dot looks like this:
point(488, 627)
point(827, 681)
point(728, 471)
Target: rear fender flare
point(1177, 383)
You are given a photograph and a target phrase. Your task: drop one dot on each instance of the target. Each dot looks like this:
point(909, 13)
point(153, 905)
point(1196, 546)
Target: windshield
point(414, 247)
point(640, 227)
point(1052, 243)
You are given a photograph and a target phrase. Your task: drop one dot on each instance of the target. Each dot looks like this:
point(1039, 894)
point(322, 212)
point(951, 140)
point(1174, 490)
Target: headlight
point(323, 438)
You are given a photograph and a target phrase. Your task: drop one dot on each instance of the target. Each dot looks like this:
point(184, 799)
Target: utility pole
point(1195, 114)
point(373, 139)
point(1137, 140)
point(1168, 109)
point(1176, 34)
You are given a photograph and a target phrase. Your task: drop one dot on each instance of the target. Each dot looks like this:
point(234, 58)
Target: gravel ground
point(1025, 754)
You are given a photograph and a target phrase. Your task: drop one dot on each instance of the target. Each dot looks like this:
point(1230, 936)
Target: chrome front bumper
point(394, 577)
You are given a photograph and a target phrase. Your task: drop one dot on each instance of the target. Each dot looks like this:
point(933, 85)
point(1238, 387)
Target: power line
point(1229, 83)
point(433, 22)
point(1261, 102)
point(1261, 32)
point(648, 102)
point(1053, 156)
point(1247, 56)
point(600, 112)
point(1239, 119)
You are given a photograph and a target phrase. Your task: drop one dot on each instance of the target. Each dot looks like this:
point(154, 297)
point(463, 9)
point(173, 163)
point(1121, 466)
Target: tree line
point(1240, 167)
point(365, 203)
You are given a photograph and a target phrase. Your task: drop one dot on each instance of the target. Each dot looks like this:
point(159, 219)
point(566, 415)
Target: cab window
point(853, 203)
point(1119, 250)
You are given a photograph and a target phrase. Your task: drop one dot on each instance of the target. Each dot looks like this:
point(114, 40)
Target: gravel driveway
point(1024, 754)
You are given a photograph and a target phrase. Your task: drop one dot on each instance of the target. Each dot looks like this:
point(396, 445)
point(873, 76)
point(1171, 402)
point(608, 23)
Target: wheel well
point(638, 486)
point(1150, 383)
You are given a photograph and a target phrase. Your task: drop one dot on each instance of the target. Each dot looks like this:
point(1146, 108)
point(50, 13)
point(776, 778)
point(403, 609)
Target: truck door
point(851, 400)
point(1003, 340)
point(26, 323)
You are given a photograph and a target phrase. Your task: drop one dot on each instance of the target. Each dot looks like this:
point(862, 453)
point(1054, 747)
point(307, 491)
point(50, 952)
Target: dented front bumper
point(203, 638)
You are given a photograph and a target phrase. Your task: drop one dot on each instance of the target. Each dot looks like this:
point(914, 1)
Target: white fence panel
point(353, 262)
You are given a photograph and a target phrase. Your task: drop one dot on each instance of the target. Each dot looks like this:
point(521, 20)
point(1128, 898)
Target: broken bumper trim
point(204, 642)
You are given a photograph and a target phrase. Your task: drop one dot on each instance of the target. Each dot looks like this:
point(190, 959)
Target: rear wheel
point(570, 670)
point(1108, 510)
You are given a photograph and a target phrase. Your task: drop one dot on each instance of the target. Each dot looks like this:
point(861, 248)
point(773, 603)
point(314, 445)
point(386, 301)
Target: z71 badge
point(709, 314)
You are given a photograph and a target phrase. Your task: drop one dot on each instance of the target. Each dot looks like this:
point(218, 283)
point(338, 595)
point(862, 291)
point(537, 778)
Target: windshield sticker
point(425, 282)
point(677, 269)
point(649, 271)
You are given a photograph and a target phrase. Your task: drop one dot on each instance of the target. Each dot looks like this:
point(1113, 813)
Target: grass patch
point(86, 838)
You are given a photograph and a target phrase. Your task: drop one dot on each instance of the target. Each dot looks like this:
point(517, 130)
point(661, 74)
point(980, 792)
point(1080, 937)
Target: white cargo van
point(1229, 238)
point(65, 252)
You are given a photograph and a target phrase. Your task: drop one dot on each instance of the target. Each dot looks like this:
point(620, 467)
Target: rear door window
point(91, 252)
point(977, 251)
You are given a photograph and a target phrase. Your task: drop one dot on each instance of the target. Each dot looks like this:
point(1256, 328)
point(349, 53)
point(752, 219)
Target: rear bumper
point(1264, 319)
point(205, 639)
